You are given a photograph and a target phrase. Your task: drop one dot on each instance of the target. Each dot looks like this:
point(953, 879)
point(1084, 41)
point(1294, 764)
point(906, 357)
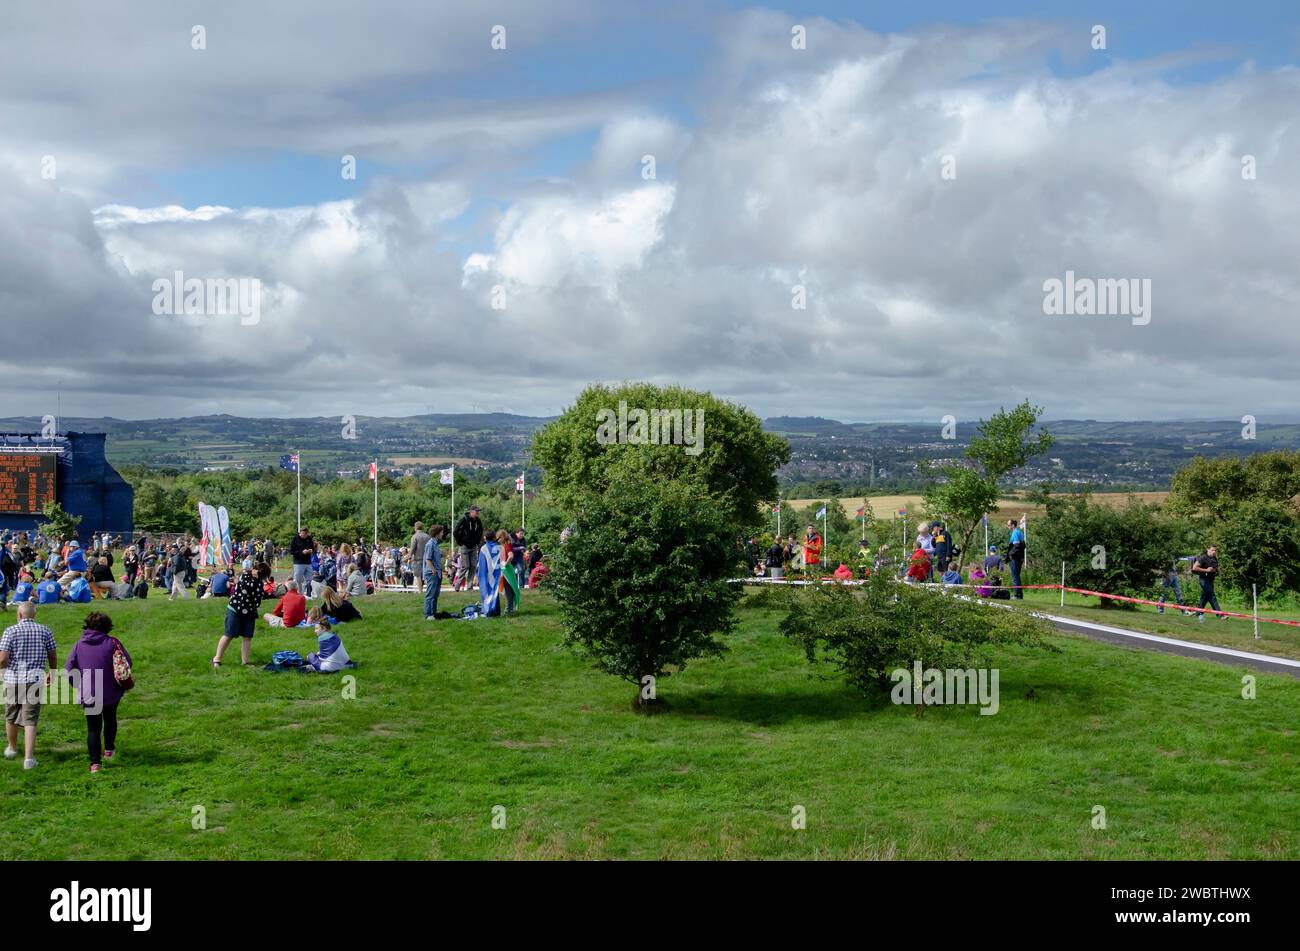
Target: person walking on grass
point(1169, 582)
point(1206, 567)
point(27, 654)
point(101, 691)
point(431, 563)
point(241, 614)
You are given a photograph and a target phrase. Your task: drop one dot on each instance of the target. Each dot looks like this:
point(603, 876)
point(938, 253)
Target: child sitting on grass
point(329, 656)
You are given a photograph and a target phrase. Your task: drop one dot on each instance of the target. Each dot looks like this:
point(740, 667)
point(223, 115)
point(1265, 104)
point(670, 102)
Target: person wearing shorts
point(241, 614)
point(27, 653)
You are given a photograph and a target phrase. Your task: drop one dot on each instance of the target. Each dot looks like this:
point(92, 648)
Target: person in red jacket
point(812, 549)
point(843, 573)
point(289, 610)
point(919, 569)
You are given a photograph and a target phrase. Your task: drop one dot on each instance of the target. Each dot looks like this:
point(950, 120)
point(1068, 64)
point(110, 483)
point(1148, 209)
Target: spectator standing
point(419, 542)
point(468, 536)
point(302, 549)
point(431, 570)
point(1016, 558)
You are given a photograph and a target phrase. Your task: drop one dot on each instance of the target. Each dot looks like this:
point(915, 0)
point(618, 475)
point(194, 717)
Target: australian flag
point(289, 461)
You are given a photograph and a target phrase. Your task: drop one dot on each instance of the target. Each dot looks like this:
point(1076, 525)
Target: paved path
point(1170, 645)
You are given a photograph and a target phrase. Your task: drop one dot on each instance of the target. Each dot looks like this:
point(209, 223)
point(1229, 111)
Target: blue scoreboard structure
point(68, 468)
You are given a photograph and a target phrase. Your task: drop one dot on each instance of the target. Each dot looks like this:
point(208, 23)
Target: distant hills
point(1137, 454)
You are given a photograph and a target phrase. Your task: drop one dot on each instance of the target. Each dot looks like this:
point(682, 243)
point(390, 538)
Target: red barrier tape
point(827, 579)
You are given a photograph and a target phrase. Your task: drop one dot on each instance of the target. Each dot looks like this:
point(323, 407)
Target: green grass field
point(453, 718)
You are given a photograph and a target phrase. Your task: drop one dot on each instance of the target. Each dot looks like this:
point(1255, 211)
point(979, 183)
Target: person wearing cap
point(992, 561)
point(241, 614)
point(468, 535)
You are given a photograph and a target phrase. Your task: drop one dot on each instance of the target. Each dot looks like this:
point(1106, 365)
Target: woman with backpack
point(104, 670)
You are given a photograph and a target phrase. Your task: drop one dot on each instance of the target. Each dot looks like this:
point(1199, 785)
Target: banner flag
point(447, 476)
point(227, 548)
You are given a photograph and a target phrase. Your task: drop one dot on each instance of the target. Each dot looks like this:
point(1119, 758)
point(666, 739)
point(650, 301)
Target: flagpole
point(298, 472)
point(523, 494)
point(376, 503)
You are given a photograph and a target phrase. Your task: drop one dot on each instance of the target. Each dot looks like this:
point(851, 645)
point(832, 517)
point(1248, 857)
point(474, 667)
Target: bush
point(642, 581)
point(1259, 543)
point(1116, 550)
point(869, 630)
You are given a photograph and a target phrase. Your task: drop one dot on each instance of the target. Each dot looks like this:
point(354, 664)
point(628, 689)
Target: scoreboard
point(27, 482)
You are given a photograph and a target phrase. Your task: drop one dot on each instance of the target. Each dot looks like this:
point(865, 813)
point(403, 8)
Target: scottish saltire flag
point(821, 512)
point(489, 578)
point(447, 476)
point(289, 461)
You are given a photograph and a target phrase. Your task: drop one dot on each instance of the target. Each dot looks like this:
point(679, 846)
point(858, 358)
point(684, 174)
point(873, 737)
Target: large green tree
point(735, 460)
point(642, 579)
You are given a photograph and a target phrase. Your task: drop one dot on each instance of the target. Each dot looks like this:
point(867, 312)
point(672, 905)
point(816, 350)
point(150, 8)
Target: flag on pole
point(519, 484)
point(861, 512)
point(902, 513)
point(447, 476)
point(374, 471)
point(821, 512)
point(289, 461)
point(777, 507)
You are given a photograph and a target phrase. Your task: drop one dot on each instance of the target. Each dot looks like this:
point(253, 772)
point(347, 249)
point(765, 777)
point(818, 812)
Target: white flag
point(446, 476)
point(821, 512)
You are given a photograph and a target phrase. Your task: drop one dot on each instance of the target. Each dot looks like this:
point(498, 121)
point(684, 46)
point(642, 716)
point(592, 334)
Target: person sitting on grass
point(339, 606)
point(92, 658)
point(951, 576)
point(289, 610)
point(996, 591)
point(101, 579)
point(329, 656)
point(49, 591)
point(843, 573)
point(218, 584)
point(356, 585)
point(79, 591)
point(241, 614)
point(25, 588)
point(977, 577)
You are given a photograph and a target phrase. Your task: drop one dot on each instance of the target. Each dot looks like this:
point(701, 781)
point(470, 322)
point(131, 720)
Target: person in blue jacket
point(49, 591)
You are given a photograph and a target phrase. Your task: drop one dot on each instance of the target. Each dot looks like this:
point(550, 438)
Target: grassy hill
point(453, 718)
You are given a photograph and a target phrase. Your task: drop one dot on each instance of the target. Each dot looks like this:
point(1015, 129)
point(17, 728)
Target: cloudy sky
point(919, 170)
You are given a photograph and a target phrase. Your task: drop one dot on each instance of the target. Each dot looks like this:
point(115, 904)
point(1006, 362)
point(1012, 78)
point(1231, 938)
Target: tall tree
point(968, 491)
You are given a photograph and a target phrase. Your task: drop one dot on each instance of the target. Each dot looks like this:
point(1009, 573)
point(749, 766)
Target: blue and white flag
point(821, 512)
point(489, 578)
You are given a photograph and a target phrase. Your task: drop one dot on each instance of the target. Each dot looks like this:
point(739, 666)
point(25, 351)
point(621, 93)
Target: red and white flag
point(374, 470)
point(519, 484)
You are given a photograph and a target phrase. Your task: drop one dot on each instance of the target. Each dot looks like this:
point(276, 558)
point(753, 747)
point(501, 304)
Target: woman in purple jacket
point(92, 657)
